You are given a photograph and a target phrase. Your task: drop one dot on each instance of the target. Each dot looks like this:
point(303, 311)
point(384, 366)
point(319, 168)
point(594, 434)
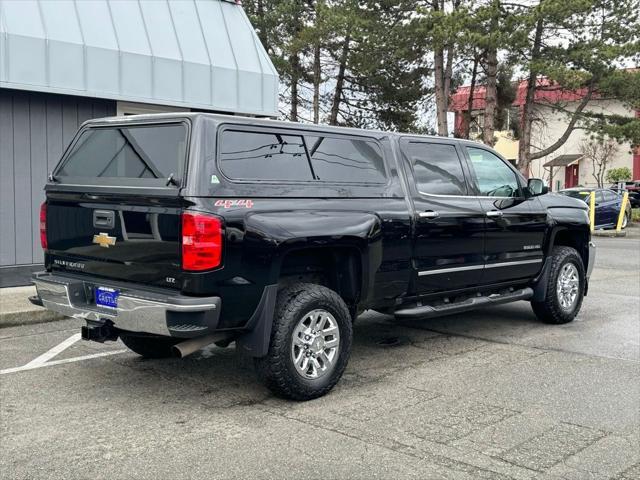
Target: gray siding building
point(66, 61)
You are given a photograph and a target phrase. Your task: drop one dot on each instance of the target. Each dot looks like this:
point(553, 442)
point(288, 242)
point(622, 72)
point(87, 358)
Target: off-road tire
point(277, 369)
point(549, 310)
point(148, 346)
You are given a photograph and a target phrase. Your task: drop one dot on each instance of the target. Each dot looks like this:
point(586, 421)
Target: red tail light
point(201, 241)
point(43, 225)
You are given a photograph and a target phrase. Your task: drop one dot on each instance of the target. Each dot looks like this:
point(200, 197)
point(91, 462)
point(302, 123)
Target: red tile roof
point(546, 91)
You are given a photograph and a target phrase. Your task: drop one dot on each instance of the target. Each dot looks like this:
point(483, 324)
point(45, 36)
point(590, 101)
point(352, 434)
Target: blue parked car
point(608, 204)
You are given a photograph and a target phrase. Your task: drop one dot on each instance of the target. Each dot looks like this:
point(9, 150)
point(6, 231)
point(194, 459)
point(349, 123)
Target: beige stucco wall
point(553, 124)
point(506, 145)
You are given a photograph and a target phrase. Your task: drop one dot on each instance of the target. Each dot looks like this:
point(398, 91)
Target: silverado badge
point(104, 240)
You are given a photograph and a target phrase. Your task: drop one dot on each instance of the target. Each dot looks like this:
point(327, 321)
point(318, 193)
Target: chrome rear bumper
point(139, 310)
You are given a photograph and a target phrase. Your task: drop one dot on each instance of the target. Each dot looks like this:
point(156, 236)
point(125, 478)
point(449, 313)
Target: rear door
point(449, 223)
point(515, 224)
point(112, 210)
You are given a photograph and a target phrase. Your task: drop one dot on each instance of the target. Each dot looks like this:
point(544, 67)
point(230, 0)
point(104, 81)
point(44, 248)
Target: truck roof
point(264, 122)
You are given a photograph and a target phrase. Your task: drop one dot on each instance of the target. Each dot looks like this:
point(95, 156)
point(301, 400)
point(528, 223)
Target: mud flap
point(255, 342)
point(540, 284)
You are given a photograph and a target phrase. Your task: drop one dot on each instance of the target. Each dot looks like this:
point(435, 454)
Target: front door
point(515, 222)
point(600, 216)
point(609, 206)
point(571, 175)
point(449, 225)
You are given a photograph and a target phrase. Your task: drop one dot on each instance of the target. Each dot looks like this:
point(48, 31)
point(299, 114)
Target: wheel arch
point(345, 246)
point(562, 235)
point(342, 267)
point(577, 238)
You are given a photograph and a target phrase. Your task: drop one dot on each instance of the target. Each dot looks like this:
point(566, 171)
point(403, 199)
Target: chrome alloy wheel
point(568, 286)
point(315, 344)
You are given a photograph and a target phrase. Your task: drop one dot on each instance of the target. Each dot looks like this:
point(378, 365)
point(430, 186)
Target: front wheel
point(310, 342)
point(565, 288)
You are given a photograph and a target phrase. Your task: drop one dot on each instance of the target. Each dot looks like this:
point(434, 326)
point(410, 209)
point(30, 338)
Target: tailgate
point(113, 201)
point(132, 239)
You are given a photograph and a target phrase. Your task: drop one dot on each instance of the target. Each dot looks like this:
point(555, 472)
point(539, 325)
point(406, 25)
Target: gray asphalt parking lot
point(492, 394)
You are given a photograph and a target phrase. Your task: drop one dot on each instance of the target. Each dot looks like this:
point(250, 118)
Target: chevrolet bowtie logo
point(104, 240)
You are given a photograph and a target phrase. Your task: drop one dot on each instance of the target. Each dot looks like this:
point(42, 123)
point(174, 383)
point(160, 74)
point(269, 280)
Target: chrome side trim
point(449, 270)
point(477, 267)
point(509, 264)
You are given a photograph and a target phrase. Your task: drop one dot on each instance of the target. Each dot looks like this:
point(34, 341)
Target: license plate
point(107, 297)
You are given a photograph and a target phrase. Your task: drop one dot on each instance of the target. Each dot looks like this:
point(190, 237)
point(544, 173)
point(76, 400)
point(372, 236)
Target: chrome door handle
point(429, 214)
point(494, 213)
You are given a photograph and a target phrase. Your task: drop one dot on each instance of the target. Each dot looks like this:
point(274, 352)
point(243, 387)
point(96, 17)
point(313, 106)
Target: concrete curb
point(15, 308)
point(42, 315)
point(609, 233)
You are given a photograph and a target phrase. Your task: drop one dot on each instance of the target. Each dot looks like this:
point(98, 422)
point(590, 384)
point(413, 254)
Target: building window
point(476, 124)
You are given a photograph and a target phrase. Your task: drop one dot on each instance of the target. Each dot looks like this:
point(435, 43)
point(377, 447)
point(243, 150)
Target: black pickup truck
point(173, 232)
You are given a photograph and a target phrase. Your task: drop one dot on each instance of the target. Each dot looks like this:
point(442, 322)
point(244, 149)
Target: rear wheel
point(310, 342)
point(625, 220)
point(148, 346)
point(565, 288)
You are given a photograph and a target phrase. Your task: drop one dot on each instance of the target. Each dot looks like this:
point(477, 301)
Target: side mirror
point(537, 187)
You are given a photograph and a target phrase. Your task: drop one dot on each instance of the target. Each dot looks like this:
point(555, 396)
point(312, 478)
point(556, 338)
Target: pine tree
point(576, 46)
point(345, 62)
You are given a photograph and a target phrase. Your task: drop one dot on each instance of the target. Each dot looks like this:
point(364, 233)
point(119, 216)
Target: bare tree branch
point(570, 126)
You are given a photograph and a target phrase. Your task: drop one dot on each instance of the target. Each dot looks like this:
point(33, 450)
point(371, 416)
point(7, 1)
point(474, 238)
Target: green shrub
point(621, 174)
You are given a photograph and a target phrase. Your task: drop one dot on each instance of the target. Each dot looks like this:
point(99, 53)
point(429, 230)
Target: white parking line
point(44, 360)
point(45, 357)
point(59, 362)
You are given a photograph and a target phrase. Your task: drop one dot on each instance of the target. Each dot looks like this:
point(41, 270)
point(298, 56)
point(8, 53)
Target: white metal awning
point(564, 160)
point(186, 53)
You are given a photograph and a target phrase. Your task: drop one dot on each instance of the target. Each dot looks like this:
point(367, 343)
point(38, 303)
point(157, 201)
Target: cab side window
point(495, 178)
point(263, 156)
point(436, 168)
point(284, 155)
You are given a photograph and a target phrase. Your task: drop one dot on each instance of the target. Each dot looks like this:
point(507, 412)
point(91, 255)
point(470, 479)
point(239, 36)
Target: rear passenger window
point(256, 155)
point(437, 168)
point(346, 160)
point(263, 156)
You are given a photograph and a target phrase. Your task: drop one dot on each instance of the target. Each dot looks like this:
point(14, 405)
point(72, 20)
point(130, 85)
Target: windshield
point(136, 154)
point(579, 194)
